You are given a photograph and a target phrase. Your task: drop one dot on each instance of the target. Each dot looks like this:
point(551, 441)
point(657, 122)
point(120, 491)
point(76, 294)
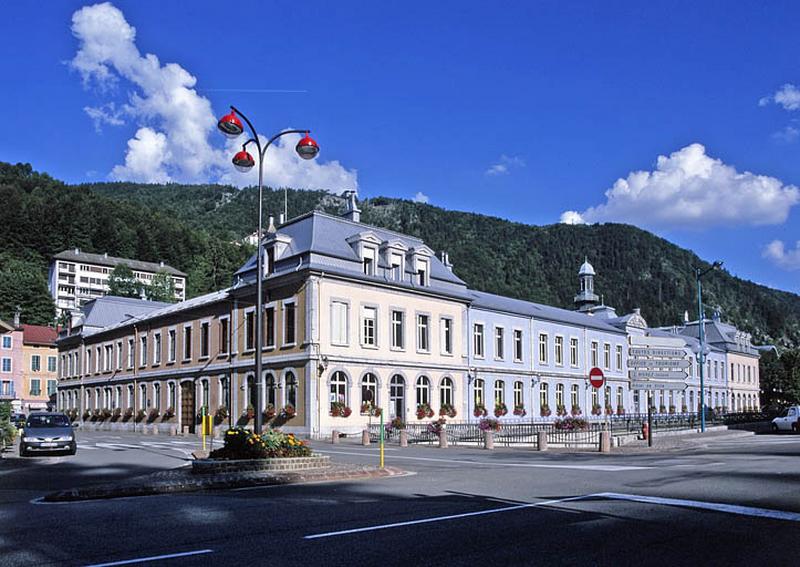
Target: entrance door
point(397, 397)
point(187, 406)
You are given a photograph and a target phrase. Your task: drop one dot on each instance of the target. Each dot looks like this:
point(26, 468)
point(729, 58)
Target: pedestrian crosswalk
point(182, 446)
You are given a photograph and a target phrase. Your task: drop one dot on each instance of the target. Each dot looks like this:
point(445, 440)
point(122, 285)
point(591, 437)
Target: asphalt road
point(732, 502)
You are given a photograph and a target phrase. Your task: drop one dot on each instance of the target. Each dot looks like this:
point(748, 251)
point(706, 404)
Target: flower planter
point(288, 464)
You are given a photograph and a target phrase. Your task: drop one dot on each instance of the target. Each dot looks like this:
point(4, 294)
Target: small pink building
point(11, 363)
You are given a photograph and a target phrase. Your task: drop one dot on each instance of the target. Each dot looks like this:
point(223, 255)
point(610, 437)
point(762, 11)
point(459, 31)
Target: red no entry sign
point(596, 377)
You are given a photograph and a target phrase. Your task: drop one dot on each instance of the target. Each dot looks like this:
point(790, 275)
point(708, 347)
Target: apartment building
point(76, 277)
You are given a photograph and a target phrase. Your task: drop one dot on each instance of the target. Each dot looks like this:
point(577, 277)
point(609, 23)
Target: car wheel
point(774, 427)
point(23, 452)
point(794, 427)
point(72, 450)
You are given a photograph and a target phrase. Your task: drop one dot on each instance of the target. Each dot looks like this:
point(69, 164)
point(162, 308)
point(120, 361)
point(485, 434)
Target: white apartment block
point(76, 277)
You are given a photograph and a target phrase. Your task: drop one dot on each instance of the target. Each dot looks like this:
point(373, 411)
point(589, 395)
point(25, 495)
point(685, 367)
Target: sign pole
point(381, 439)
point(649, 418)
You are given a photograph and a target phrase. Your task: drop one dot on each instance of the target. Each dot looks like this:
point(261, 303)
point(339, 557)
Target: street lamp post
point(701, 322)
point(306, 148)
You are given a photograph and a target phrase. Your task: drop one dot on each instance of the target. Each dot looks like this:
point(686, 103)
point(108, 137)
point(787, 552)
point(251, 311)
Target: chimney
point(16, 317)
point(161, 263)
point(77, 251)
point(638, 311)
point(105, 254)
point(281, 220)
point(446, 261)
point(271, 228)
point(352, 212)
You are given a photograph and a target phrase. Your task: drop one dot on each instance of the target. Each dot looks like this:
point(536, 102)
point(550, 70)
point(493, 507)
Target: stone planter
point(289, 464)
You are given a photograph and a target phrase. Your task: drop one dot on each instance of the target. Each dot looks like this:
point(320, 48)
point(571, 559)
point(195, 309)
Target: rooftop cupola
point(586, 298)
point(351, 212)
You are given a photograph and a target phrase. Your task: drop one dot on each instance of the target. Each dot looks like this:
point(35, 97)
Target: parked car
point(789, 420)
point(47, 431)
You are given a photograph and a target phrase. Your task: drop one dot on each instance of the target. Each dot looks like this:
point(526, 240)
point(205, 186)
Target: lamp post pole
point(701, 322)
point(307, 148)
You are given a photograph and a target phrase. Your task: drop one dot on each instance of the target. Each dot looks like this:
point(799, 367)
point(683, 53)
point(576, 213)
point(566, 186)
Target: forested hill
point(195, 229)
point(634, 267)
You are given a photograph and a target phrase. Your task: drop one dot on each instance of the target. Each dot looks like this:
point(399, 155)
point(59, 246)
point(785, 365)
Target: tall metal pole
point(701, 356)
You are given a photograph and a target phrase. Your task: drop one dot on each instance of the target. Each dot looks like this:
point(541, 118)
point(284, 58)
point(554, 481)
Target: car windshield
point(48, 421)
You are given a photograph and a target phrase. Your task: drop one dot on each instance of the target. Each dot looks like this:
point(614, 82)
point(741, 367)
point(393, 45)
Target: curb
point(219, 482)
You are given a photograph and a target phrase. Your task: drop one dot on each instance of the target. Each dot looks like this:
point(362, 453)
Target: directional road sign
point(657, 385)
point(657, 352)
point(658, 374)
point(656, 363)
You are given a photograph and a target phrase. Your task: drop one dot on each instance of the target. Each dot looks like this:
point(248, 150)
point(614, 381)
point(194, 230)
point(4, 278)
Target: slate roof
point(539, 311)
point(39, 335)
point(109, 310)
point(77, 255)
point(719, 334)
point(319, 240)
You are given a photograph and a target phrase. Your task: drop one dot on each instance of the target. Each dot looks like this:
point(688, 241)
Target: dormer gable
point(366, 245)
point(418, 263)
point(276, 246)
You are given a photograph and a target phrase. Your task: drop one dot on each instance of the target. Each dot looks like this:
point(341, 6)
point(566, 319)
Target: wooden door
point(187, 406)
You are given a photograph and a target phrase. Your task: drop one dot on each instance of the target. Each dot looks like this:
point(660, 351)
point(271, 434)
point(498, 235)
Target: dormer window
point(270, 260)
point(369, 260)
point(396, 267)
point(422, 272)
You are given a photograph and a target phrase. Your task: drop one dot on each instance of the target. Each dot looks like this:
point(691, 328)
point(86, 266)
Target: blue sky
point(519, 110)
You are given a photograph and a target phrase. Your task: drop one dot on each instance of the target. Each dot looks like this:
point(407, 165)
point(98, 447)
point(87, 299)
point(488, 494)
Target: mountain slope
point(635, 268)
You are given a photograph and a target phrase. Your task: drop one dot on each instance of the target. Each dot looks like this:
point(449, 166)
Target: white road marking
point(713, 506)
point(89, 447)
point(601, 468)
point(443, 518)
point(153, 558)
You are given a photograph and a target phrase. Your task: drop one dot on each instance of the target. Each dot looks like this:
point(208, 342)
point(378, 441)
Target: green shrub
point(241, 443)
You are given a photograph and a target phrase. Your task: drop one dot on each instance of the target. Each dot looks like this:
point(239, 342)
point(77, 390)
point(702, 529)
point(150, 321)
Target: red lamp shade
point(243, 161)
point(307, 148)
point(230, 125)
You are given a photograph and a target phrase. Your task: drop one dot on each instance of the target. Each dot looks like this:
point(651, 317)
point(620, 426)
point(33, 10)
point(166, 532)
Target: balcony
point(7, 392)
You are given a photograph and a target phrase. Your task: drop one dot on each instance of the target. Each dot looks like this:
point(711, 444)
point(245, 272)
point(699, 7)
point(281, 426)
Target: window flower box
point(519, 410)
point(424, 410)
point(500, 410)
point(479, 411)
point(448, 410)
point(545, 411)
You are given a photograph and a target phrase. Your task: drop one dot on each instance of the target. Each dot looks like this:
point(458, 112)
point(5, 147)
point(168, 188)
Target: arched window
point(544, 395)
point(397, 397)
point(499, 392)
point(477, 392)
point(518, 400)
point(291, 389)
point(423, 390)
point(446, 391)
point(369, 390)
point(573, 396)
point(157, 396)
point(559, 395)
point(269, 382)
point(250, 388)
point(338, 388)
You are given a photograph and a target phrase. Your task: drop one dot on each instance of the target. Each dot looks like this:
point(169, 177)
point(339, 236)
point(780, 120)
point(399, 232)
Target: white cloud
point(787, 134)
point(421, 197)
point(146, 159)
point(787, 259)
point(504, 164)
point(691, 189)
point(172, 118)
point(104, 114)
point(788, 96)
point(571, 217)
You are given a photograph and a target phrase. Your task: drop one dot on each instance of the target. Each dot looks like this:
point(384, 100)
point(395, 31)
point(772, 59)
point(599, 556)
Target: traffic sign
point(656, 363)
point(657, 385)
point(596, 377)
point(658, 374)
point(658, 352)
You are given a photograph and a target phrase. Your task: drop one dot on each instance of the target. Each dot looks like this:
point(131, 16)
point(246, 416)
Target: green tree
point(7, 431)
point(162, 288)
point(23, 284)
point(780, 378)
point(122, 282)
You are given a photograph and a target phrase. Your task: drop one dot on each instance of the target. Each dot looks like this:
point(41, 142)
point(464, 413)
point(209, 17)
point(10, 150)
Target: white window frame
point(558, 353)
point(607, 356)
point(224, 338)
point(187, 356)
point(246, 327)
point(519, 345)
point(543, 352)
point(499, 342)
point(172, 345)
point(574, 352)
point(366, 340)
point(131, 354)
point(143, 350)
point(205, 324)
point(340, 313)
point(157, 348)
point(393, 324)
point(446, 335)
point(427, 335)
point(479, 339)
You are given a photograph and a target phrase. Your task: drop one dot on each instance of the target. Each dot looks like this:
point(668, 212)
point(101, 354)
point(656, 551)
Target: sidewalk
point(677, 442)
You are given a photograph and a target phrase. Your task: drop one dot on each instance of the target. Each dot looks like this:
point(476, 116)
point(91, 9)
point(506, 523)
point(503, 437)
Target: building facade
point(358, 321)
point(76, 277)
point(39, 368)
point(11, 362)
